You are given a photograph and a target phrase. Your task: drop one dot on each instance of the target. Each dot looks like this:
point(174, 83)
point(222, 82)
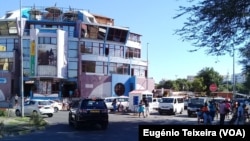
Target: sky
point(167, 54)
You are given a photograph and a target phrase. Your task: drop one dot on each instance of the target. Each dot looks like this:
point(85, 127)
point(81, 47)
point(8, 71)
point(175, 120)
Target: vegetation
point(21, 125)
point(201, 83)
point(3, 113)
point(216, 26)
point(219, 27)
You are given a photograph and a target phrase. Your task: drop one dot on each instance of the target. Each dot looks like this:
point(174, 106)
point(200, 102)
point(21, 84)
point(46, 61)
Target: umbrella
point(54, 10)
point(70, 14)
point(35, 12)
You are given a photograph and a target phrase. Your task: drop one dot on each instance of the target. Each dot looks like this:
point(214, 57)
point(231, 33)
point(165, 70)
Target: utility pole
point(147, 67)
point(21, 67)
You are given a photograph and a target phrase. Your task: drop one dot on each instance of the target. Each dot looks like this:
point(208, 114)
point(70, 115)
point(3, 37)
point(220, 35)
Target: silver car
point(35, 106)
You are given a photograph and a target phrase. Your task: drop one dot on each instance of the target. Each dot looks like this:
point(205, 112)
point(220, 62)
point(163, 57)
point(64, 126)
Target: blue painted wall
point(128, 81)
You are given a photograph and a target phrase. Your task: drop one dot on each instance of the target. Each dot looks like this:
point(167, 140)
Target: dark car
point(89, 112)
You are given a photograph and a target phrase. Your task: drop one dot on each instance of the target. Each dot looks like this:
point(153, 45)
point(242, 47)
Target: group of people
point(117, 106)
point(208, 112)
point(240, 113)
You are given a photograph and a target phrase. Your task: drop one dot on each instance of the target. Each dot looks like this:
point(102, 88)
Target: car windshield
point(197, 101)
point(167, 100)
point(43, 103)
point(109, 100)
point(93, 104)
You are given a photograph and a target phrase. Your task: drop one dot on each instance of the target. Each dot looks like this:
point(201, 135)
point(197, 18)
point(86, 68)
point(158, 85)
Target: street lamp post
point(233, 71)
point(147, 67)
point(21, 66)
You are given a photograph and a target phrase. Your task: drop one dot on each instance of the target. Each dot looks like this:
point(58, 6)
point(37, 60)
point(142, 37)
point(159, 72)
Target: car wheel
point(174, 112)
point(56, 109)
point(18, 113)
point(104, 126)
point(160, 112)
point(181, 111)
point(50, 115)
point(70, 121)
point(76, 125)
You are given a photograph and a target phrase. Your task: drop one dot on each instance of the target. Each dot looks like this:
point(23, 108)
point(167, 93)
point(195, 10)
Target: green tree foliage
point(198, 84)
point(216, 25)
point(209, 77)
point(168, 84)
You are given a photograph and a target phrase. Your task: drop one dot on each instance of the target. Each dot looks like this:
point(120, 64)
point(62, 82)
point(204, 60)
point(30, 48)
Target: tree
point(209, 76)
point(198, 84)
point(216, 25)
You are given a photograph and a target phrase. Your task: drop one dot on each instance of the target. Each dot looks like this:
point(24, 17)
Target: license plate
point(94, 111)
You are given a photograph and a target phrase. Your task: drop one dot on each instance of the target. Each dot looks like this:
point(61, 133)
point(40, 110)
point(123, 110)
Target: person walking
point(141, 109)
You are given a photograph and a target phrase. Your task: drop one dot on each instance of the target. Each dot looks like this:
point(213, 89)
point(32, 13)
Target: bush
point(3, 113)
point(37, 120)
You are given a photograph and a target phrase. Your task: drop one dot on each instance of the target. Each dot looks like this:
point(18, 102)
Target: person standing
point(141, 109)
point(146, 107)
point(16, 99)
point(70, 95)
point(212, 110)
point(114, 104)
point(206, 115)
point(222, 110)
point(240, 114)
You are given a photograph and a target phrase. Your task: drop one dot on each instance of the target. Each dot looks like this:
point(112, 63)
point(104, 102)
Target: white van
point(171, 104)
point(155, 103)
point(195, 103)
point(121, 100)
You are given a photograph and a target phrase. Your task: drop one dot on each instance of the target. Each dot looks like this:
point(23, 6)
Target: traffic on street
point(122, 127)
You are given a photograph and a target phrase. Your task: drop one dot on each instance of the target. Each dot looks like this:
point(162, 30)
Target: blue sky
point(168, 55)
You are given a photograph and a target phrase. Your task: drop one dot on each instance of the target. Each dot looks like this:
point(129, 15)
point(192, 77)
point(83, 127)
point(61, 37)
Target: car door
point(28, 108)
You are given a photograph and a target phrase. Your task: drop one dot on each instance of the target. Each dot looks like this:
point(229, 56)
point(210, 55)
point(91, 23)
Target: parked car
point(29, 109)
point(57, 104)
point(122, 102)
point(89, 112)
point(42, 107)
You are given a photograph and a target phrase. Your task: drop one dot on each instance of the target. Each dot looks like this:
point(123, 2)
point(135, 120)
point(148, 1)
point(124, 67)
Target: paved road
point(122, 127)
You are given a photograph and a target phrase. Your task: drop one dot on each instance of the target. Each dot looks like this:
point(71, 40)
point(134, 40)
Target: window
point(117, 35)
point(87, 47)
point(88, 66)
point(47, 40)
point(6, 64)
point(180, 100)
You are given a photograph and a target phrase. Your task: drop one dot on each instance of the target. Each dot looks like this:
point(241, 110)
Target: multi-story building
point(69, 51)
